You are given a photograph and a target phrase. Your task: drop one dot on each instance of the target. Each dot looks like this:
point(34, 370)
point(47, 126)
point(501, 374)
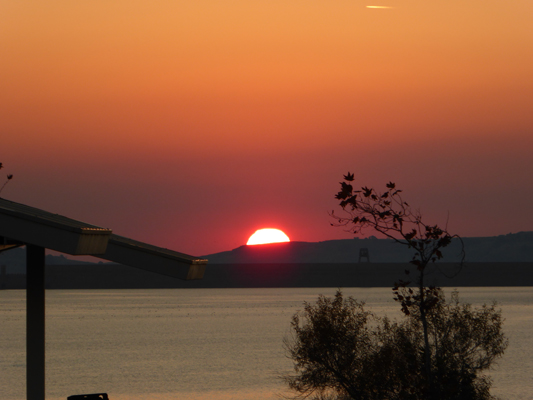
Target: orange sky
point(192, 124)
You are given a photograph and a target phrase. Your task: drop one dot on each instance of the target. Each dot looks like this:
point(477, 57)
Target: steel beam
point(35, 333)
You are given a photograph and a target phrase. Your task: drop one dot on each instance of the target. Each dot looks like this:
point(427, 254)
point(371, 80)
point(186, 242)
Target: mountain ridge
point(512, 247)
point(509, 248)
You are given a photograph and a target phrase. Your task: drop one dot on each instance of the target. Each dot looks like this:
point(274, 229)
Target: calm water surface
point(204, 344)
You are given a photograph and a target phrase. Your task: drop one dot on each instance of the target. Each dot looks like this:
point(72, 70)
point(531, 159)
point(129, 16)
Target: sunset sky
point(191, 124)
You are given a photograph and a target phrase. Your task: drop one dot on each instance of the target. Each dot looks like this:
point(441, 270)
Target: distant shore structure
point(364, 254)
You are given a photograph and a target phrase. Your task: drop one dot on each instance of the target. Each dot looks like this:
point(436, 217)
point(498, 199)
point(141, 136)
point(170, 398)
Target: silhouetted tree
point(387, 213)
point(341, 351)
point(465, 341)
point(330, 343)
point(9, 177)
point(437, 352)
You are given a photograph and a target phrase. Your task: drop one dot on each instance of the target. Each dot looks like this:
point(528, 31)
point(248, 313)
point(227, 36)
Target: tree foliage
point(342, 351)
point(9, 177)
point(437, 352)
point(330, 344)
point(389, 214)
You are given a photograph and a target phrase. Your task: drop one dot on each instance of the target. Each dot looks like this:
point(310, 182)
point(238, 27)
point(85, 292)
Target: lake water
point(204, 344)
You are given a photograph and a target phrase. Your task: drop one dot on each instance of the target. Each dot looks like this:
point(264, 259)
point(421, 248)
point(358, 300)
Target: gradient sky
point(190, 124)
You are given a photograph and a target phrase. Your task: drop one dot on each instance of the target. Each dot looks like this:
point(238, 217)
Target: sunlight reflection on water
point(203, 344)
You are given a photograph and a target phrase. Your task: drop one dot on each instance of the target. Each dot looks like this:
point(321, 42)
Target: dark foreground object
point(94, 396)
point(115, 276)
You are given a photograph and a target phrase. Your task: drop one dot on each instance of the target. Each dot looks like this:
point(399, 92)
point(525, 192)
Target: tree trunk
point(427, 348)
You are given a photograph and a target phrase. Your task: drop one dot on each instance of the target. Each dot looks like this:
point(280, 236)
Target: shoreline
point(282, 275)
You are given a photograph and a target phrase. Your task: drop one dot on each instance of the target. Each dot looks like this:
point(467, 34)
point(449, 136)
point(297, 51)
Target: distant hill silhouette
point(505, 260)
point(15, 260)
point(514, 247)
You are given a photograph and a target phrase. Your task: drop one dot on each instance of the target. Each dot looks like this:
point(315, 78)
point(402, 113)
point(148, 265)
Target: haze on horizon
point(190, 125)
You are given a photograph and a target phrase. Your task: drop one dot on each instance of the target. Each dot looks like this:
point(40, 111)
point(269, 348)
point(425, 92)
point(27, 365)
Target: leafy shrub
point(342, 351)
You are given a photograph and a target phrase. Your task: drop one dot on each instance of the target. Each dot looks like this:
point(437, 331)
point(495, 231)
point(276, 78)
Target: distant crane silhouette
point(363, 253)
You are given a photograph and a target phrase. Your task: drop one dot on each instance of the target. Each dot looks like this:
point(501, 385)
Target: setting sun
point(268, 235)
